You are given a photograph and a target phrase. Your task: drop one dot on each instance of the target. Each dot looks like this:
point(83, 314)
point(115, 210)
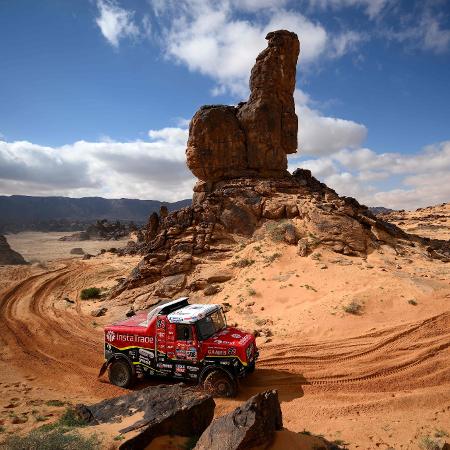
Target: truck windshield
point(211, 324)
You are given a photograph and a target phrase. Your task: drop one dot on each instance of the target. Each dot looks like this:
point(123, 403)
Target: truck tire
point(120, 373)
point(219, 384)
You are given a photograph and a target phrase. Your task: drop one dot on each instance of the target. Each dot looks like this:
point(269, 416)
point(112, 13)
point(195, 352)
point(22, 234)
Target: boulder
point(77, 251)
point(250, 425)
point(158, 410)
point(176, 265)
point(169, 286)
point(211, 289)
point(219, 277)
point(9, 256)
point(99, 312)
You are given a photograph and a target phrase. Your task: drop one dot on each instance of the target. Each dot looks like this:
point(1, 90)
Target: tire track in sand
point(58, 346)
point(379, 355)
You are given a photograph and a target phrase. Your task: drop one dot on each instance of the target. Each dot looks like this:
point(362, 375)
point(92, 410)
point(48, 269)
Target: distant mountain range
point(26, 213)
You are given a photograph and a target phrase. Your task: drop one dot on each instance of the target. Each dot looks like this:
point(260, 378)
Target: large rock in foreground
point(250, 425)
point(159, 410)
point(254, 138)
point(9, 256)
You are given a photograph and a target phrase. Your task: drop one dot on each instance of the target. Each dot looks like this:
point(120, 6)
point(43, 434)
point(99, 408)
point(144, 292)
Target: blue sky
point(95, 95)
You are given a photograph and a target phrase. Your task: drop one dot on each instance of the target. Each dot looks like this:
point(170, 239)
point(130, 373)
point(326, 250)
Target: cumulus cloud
point(207, 37)
point(321, 135)
point(139, 169)
point(371, 7)
point(116, 23)
point(393, 180)
point(426, 29)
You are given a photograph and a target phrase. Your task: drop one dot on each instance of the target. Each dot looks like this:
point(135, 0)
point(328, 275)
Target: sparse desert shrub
point(66, 422)
point(244, 262)
point(440, 434)
point(352, 308)
point(428, 443)
point(412, 302)
point(273, 257)
point(310, 288)
point(251, 292)
point(55, 439)
point(57, 403)
point(88, 293)
point(2, 429)
point(277, 230)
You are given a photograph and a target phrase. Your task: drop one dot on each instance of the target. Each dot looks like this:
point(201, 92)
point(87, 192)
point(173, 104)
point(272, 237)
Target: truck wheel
point(120, 374)
point(219, 384)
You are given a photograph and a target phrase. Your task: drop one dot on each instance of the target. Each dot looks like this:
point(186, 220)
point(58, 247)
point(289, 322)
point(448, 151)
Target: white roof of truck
point(191, 313)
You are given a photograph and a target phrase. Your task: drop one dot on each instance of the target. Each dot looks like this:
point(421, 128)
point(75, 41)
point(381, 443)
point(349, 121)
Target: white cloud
point(345, 42)
point(371, 7)
point(400, 181)
point(435, 37)
point(426, 29)
point(157, 170)
point(147, 170)
point(116, 23)
point(212, 39)
point(319, 135)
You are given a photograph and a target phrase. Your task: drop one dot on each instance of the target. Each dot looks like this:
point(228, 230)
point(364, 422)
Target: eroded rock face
point(254, 138)
point(9, 256)
point(239, 155)
point(252, 424)
point(158, 410)
point(306, 213)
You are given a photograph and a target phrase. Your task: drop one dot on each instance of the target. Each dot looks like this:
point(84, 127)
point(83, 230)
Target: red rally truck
point(182, 341)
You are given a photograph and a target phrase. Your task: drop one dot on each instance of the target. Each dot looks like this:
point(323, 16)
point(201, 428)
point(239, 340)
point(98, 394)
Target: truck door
point(186, 346)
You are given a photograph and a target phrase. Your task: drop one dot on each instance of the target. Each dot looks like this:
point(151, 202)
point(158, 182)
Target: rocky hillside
point(20, 213)
point(9, 256)
point(239, 155)
point(432, 221)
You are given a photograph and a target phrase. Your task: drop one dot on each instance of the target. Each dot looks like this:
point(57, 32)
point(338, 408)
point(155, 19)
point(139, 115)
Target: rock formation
point(254, 138)
point(250, 425)
point(239, 154)
point(103, 230)
point(9, 256)
point(156, 410)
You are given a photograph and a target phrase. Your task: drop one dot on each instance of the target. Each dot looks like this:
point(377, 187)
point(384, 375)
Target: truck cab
point(181, 341)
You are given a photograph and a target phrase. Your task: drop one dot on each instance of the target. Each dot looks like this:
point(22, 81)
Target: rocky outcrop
point(252, 424)
point(239, 154)
point(254, 138)
point(299, 209)
point(159, 410)
point(9, 256)
point(103, 230)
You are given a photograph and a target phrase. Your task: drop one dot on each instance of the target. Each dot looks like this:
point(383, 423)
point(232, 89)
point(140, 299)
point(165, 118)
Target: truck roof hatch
point(167, 307)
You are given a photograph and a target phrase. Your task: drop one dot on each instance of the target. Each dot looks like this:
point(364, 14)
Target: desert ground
point(358, 348)
point(37, 246)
